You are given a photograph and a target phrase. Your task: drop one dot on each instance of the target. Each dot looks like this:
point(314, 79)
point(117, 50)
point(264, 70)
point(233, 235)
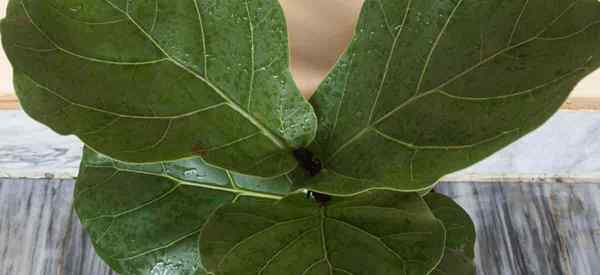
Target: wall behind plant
point(319, 32)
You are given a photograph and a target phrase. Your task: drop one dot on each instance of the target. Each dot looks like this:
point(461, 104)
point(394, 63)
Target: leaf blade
point(145, 218)
point(420, 104)
point(299, 237)
point(151, 79)
point(460, 236)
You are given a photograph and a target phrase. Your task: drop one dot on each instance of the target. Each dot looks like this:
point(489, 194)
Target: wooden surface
point(10, 102)
point(583, 103)
point(533, 228)
point(40, 234)
point(523, 228)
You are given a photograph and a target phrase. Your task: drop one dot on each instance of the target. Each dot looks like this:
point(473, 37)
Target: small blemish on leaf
point(199, 151)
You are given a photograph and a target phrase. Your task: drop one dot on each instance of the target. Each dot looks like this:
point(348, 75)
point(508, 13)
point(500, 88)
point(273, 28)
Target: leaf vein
point(324, 241)
point(242, 192)
point(87, 107)
point(136, 208)
point(170, 244)
point(343, 270)
point(250, 237)
point(155, 19)
point(287, 246)
point(470, 69)
point(311, 266)
point(389, 61)
point(386, 18)
point(202, 31)
point(161, 139)
point(275, 139)
point(515, 94)
point(517, 23)
point(435, 45)
point(448, 147)
point(582, 30)
point(376, 238)
point(252, 57)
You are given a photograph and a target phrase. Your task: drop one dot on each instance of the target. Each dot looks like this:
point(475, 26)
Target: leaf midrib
point(240, 192)
point(322, 217)
point(236, 107)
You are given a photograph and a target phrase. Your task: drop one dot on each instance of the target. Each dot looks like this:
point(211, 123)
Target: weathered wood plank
point(39, 234)
point(533, 228)
point(10, 101)
point(523, 228)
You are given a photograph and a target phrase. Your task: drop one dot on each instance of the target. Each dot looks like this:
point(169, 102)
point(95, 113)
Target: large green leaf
point(148, 80)
point(146, 219)
point(432, 86)
point(377, 232)
point(460, 236)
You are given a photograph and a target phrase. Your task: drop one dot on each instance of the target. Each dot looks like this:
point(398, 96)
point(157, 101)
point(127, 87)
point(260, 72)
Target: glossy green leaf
point(147, 81)
point(460, 236)
point(146, 219)
point(429, 87)
point(377, 232)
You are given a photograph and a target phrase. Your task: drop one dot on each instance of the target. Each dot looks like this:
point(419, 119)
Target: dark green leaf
point(146, 219)
point(147, 80)
point(429, 87)
point(460, 236)
point(377, 232)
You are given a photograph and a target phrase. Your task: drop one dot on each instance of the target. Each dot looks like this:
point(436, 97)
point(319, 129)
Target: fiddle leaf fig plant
point(203, 158)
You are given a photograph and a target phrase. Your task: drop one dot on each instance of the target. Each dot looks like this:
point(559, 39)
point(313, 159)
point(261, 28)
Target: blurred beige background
point(319, 32)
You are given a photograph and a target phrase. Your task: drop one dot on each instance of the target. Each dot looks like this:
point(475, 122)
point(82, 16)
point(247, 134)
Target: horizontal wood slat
point(583, 103)
point(10, 102)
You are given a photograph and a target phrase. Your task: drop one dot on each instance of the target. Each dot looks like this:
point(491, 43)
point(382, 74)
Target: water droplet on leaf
point(76, 8)
point(190, 173)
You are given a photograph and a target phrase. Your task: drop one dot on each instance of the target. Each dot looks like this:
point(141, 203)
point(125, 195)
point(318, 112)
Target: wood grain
point(533, 228)
point(40, 234)
point(523, 228)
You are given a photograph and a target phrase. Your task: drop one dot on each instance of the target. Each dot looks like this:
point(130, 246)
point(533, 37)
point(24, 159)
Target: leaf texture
point(376, 232)
point(146, 219)
point(148, 81)
point(430, 87)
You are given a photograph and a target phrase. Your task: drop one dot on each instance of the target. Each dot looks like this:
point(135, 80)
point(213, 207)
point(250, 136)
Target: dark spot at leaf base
point(307, 160)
